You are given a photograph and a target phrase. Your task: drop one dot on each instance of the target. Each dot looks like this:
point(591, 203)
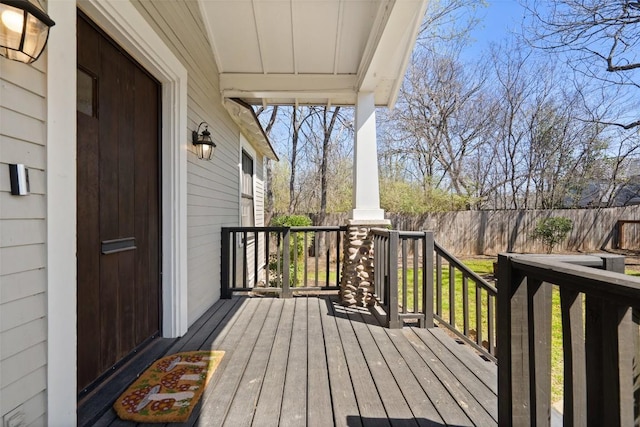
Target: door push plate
point(118, 245)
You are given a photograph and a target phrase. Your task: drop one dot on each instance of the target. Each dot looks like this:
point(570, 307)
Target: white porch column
point(356, 285)
point(366, 188)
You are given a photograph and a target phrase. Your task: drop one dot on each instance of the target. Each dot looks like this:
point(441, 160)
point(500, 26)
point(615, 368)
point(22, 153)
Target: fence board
point(492, 232)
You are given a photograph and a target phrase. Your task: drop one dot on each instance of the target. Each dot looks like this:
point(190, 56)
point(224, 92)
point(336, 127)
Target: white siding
point(22, 240)
point(212, 186)
point(259, 186)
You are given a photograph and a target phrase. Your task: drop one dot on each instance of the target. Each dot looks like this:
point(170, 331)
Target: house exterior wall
point(26, 286)
point(212, 186)
point(23, 300)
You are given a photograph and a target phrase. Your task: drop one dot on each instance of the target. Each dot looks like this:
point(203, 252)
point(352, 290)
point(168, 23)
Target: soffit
point(313, 52)
point(247, 121)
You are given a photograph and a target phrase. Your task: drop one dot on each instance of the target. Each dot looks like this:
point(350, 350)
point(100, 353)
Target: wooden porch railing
point(403, 284)
point(404, 287)
point(599, 312)
point(280, 259)
point(464, 288)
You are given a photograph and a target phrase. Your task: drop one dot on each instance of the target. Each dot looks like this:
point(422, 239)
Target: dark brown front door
point(118, 204)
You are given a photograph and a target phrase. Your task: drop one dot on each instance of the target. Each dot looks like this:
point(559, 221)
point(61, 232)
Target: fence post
point(391, 281)
point(427, 279)
point(286, 263)
point(224, 264)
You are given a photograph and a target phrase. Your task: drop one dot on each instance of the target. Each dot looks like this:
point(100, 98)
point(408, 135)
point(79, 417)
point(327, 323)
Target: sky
point(496, 21)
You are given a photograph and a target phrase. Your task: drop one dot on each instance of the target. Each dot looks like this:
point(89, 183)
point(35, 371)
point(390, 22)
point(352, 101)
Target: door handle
point(118, 245)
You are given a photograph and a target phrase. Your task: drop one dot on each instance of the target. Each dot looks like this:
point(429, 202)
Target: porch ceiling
point(311, 51)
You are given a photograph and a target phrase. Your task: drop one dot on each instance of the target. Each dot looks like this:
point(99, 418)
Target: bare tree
point(437, 124)
point(599, 39)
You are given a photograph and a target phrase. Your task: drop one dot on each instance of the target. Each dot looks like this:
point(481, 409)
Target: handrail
point(600, 326)
point(460, 265)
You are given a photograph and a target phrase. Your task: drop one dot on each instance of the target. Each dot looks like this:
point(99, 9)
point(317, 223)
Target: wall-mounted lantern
point(24, 30)
point(202, 140)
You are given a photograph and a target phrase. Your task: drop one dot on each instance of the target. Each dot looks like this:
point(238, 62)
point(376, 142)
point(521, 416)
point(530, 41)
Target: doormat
point(169, 389)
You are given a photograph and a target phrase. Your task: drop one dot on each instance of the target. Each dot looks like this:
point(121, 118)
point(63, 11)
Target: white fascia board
point(418, 18)
point(393, 50)
point(377, 30)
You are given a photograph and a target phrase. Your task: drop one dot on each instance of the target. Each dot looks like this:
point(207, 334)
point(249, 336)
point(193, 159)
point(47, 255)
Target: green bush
point(297, 246)
point(291, 221)
point(552, 231)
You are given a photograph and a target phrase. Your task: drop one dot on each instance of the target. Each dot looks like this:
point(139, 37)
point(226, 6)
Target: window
point(248, 217)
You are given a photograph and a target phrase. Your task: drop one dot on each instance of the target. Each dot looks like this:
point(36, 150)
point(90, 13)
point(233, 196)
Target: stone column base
point(356, 284)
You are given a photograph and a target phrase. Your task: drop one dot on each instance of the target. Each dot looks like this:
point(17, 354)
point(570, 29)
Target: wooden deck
point(308, 361)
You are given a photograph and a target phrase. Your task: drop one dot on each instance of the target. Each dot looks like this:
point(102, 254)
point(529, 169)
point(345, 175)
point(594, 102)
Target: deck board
point(394, 402)
point(370, 404)
point(307, 361)
point(467, 377)
point(270, 399)
point(416, 397)
point(466, 400)
point(318, 388)
point(294, 398)
point(241, 410)
point(486, 372)
point(447, 407)
point(342, 394)
point(239, 343)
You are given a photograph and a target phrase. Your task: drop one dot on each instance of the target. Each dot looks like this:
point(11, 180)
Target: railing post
point(224, 264)
point(428, 251)
point(539, 311)
point(286, 263)
point(608, 333)
point(391, 281)
point(612, 262)
point(513, 347)
point(575, 387)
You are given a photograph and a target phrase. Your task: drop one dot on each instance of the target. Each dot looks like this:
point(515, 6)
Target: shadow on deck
point(309, 361)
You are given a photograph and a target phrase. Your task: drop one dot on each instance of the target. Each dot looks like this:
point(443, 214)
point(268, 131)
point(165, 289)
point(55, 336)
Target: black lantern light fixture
point(202, 140)
point(24, 30)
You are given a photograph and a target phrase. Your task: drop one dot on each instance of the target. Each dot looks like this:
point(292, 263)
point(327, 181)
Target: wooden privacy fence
point(492, 232)
point(600, 341)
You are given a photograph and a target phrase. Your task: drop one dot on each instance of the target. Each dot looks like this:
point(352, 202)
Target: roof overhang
point(247, 121)
point(313, 52)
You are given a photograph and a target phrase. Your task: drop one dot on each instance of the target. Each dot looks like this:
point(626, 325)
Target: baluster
point(416, 287)
point(405, 272)
point(452, 294)
point(478, 315)
point(575, 383)
point(465, 305)
point(439, 285)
